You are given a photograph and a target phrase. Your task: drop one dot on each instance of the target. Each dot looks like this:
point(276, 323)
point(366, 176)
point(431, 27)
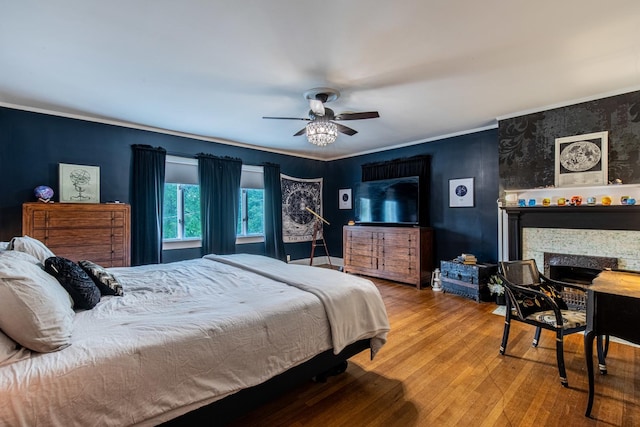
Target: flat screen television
point(388, 201)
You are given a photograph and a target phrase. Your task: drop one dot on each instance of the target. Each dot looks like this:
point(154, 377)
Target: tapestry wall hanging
point(297, 195)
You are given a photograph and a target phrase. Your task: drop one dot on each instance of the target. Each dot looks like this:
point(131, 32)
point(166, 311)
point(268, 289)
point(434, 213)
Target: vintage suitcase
point(467, 280)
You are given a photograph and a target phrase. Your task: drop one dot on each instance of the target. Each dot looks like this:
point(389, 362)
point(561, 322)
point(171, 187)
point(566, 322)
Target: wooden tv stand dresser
point(403, 254)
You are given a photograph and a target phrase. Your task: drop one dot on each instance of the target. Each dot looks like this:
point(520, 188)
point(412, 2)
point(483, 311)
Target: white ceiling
point(432, 68)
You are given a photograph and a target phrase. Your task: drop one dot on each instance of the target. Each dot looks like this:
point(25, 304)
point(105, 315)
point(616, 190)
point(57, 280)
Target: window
point(250, 226)
point(251, 218)
point(181, 216)
point(181, 224)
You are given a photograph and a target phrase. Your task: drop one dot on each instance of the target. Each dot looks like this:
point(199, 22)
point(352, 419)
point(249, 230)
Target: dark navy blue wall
point(457, 230)
point(32, 145)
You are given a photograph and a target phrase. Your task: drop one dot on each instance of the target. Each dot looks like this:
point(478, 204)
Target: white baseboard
point(319, 260)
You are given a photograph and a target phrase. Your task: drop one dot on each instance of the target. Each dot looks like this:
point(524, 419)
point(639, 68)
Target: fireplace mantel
point(511, 197)
point(568, 217)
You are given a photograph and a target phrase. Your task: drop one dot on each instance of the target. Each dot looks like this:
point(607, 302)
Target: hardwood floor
point(441, 367)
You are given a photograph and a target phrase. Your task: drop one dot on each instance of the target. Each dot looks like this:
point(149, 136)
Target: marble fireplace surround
point(592, 231)
point(581, 269)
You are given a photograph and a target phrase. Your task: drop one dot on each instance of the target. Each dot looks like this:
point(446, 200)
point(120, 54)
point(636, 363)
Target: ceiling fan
point(322, 128)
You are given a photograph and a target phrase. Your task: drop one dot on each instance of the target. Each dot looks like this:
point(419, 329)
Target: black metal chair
point(544, 303)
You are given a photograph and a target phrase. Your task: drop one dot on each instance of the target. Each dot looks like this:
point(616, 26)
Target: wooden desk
point(613, 308)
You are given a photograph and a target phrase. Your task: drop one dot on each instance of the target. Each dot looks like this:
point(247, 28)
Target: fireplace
point(592, 232)
point(571, 268)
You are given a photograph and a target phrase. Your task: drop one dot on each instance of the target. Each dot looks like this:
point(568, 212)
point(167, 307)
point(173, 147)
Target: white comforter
point(184, 335)
point(354, 307)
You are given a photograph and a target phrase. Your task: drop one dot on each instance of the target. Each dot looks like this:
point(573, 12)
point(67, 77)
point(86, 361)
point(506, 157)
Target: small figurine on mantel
point(43, 193)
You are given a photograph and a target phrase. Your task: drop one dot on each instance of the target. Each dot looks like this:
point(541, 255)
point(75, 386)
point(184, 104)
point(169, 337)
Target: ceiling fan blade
point(317, 107)
point(346, 130)
point(358, 116)
point(285, 118)
point(300, 132)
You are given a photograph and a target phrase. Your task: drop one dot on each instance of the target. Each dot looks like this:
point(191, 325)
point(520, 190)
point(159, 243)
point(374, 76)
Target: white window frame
point(250, 179)
point(191, 167)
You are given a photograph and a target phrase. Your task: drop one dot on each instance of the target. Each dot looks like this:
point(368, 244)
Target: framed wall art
point(344, 198)
point(582, 160)
point(461, 193)
point(79, 183)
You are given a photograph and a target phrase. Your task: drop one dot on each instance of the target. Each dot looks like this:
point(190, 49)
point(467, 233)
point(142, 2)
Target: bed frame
point(318, 369)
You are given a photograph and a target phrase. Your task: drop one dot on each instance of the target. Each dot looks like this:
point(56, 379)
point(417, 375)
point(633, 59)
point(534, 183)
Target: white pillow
point(35, 311)
point(31, 246)
point(17, 255)
point(11, 351)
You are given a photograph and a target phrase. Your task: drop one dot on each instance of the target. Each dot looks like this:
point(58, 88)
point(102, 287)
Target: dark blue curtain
point(274, 246)
point(147, 194)
point(219, 202)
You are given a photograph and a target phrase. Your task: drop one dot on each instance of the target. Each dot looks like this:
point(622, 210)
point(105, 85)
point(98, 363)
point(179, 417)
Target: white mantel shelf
point(567, 209)
point(615, 191)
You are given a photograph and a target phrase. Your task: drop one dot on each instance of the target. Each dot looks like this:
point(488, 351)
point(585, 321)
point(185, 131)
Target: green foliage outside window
point(186, 224)
point(170, 212)
point(191, 208)
point(255, 211)
point(251, 209)
point(186, 196)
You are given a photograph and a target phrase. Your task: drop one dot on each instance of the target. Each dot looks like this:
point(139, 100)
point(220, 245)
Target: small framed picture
point(344, 201)
point(461, 193)
point(79, 183)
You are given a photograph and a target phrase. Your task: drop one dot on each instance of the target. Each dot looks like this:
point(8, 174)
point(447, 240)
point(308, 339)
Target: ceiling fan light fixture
point(321, 132)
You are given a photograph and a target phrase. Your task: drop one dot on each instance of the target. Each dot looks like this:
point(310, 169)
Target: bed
point(182, 336)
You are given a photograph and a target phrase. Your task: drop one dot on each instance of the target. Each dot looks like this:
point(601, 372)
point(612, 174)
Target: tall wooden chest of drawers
point(97, 232)
point(404, 254)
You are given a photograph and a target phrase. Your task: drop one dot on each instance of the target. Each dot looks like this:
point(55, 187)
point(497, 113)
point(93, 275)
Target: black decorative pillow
point(532, 304)
point(104, 280)
point(84, 293)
